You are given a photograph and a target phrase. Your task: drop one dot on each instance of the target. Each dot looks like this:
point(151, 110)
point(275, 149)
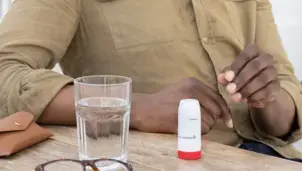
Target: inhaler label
point(189, 135)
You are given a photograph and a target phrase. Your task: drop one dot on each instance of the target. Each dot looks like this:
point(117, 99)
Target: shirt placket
point(205, 24)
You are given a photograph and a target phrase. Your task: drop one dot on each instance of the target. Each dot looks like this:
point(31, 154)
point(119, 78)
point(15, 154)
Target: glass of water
point(103, 113)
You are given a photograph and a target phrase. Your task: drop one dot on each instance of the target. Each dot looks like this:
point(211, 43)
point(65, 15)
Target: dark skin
point(252, 79)
point(61, 110)
point(151, 112)
point(158, 112)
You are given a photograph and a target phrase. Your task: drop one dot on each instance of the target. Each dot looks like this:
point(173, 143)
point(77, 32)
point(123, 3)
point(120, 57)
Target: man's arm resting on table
point(61, 110)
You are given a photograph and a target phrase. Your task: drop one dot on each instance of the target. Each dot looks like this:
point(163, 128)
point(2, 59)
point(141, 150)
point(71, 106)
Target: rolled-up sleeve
point(34, 36)
point(267, 37)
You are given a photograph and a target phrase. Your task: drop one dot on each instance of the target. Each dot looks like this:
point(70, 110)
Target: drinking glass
point(103, 112)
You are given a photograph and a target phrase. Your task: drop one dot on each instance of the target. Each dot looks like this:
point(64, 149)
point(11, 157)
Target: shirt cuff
point(35, 91)
point(295, 91)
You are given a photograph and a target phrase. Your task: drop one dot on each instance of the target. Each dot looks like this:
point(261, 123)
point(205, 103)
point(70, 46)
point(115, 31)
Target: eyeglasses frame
point(84, 164)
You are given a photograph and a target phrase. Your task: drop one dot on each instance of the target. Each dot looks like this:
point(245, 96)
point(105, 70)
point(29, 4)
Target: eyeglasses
point(84, 165)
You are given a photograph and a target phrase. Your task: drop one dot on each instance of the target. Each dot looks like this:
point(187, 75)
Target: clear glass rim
point(126, 82)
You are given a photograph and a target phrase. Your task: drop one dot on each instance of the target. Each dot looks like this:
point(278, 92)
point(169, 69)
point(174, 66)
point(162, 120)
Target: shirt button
point(205, 40)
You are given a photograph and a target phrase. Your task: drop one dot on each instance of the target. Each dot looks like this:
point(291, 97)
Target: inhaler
point(189, 130)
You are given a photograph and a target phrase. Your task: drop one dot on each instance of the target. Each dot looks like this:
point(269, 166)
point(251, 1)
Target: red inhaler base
point(189, 155)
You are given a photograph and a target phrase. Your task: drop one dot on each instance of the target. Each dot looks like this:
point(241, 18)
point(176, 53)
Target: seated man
point(225, 53)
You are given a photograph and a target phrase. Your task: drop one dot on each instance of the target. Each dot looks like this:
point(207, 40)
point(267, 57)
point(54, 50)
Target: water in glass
point(103, 124)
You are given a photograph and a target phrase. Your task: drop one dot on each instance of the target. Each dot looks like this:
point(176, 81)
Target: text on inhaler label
point(189, 134)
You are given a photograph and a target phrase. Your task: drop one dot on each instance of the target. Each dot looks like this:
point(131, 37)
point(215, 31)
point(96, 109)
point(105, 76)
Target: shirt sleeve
point(267, 37)
point(34, 36)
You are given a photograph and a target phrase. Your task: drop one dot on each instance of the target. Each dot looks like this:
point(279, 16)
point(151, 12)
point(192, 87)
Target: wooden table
point(150, 152)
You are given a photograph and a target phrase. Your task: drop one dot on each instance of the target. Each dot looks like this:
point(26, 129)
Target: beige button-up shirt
point(155, 42)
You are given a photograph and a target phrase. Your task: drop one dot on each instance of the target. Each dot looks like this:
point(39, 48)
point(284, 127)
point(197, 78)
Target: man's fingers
point(259, 82)
point(252, 69)
point(225, 112)
point(222, 80)
point(207, 122)
point(262, 103)
point(237, 97)
point(210, 100)
point(198, 91)
point(205, 128)
point(216, 97)
point(229, 76)
point(244, 100)
point(226, 76)
point(229, 122)
point(231, 88)
point(229, 73)
point(209, 107)
point(266, 92)
point(251, 78)
point(249, 53)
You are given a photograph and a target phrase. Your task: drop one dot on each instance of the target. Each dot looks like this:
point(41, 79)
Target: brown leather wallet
point(19, 131)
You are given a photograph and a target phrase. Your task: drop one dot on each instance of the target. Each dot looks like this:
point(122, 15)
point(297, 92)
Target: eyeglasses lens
point(64, 166)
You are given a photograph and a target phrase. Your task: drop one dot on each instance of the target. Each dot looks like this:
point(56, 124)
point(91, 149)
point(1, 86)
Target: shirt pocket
point(149, 22)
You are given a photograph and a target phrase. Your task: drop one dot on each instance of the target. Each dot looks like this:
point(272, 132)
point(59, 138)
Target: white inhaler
point(189, 130)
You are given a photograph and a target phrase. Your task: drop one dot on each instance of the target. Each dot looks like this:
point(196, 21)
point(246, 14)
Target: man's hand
point(252, 78)
point(158, 112)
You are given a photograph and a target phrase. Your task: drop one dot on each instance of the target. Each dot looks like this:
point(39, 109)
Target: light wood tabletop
point(150, 152)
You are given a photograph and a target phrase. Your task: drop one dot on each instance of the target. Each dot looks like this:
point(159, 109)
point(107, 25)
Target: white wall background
point(288, 15)
point(4, 5)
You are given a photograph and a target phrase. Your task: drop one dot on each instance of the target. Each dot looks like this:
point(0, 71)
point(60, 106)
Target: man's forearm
point(278, 117)
point(61, 110)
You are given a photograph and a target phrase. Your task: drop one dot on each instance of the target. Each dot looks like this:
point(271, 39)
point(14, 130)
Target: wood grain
point(150, 152)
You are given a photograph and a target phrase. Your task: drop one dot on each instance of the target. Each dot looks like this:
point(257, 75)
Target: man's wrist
point(277, 117)
point(137, 104)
